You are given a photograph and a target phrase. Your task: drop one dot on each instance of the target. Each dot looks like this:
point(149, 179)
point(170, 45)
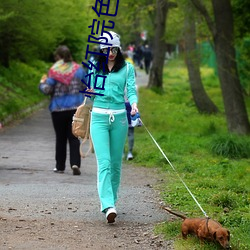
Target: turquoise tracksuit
point(109, 127)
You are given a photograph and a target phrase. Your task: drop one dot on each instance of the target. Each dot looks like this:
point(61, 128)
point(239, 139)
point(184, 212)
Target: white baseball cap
point(115, 41)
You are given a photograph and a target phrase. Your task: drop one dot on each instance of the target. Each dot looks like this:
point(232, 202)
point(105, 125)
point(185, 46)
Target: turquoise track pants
point(108, 136)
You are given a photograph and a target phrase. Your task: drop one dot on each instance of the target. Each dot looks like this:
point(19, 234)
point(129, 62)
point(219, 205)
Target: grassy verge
point(19, 88)
point(212, 163)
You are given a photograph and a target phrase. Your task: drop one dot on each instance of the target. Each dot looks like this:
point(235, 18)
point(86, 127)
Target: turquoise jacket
point(114, 87)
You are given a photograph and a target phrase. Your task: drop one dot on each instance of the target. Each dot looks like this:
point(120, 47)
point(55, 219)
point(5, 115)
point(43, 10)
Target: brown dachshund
point(204, 229)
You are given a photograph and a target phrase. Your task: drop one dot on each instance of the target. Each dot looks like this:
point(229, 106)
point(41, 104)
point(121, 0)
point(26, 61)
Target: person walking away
point(147, 58)
point(63, 85)
point(139, 52)
point(130, 133)
point(109, 123)
point(128, 109)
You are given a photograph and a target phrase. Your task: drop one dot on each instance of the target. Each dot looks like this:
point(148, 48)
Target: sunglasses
point(114, 50)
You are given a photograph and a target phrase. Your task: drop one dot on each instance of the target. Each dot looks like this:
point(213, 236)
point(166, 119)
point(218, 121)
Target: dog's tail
point(175, 213)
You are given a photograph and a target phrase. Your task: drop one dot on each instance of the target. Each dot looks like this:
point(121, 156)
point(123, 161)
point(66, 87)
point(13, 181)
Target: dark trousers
point(147, 65)
point(131, 139)
point(62, 122)
point(130, 129)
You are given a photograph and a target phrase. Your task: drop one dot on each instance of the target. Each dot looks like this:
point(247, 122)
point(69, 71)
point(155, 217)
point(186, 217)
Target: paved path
point(27, 160)
point(26, 163)
point(141, 78)
point(31, 191)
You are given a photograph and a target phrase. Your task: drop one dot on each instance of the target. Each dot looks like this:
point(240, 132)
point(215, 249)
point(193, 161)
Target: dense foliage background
point(214, 164)
point(30, 31)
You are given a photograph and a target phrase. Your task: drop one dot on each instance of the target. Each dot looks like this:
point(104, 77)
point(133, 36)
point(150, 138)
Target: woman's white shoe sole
point(111, 215)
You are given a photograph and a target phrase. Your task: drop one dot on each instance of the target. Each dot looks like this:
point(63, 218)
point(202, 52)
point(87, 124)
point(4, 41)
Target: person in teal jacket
point(109, 124)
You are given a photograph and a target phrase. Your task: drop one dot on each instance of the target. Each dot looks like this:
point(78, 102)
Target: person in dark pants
point(62, 125)
point(128, 109)
point(147, 54)
point(63, 84)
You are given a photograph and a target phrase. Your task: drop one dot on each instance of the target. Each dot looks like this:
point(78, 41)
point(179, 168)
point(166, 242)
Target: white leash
point(174, 169)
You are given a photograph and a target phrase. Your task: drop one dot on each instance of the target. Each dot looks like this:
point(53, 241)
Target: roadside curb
point(22, 114)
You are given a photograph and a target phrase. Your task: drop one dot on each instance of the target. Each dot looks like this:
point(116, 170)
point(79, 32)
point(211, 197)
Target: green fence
point(208, 58)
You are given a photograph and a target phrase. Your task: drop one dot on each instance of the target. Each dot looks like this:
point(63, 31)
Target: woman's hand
point(134, 109)
point(43, 79)
point(87, 90)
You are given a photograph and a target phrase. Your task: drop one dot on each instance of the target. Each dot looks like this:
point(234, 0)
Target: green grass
point(19, 87)
point(214, 164)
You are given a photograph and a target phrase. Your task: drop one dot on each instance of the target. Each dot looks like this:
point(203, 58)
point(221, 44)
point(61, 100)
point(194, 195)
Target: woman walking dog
point(109, 123)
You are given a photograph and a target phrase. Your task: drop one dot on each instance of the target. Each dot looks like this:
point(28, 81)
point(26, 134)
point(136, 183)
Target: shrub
point(231, 146)
point(223, 200)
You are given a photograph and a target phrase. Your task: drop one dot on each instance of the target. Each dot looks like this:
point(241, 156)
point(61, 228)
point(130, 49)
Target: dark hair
point(64, 53)
point(119, 62)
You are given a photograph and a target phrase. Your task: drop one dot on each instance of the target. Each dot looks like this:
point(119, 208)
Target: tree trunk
point(223, 38)
point(201, 99)
point(235, 109)
point(159, 47)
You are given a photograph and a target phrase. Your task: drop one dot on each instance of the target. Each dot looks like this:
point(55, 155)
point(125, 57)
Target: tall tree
point(135, 17)
point(28, 33)
point(241, 17)
point(242, 33)
point(223, 38)
point(159, 46)
point(201, 99)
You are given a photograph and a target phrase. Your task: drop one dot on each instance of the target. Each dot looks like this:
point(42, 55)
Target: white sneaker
point(58, 171)
point(76, 170)
point(130, 156)
point(111, 214)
